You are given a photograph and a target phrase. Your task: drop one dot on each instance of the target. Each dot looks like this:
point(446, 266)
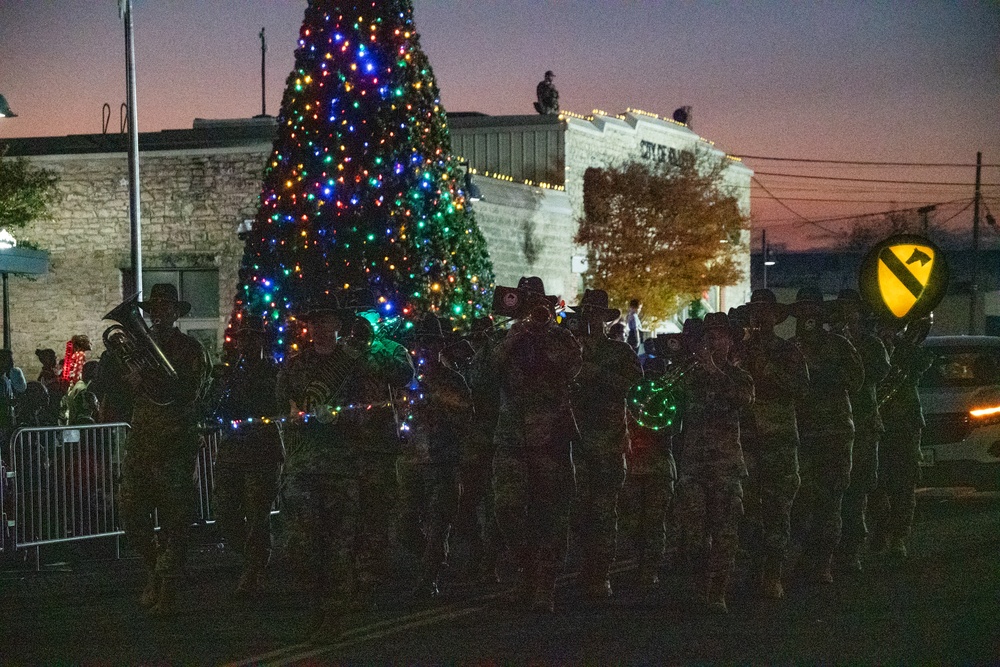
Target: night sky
point(872, 81)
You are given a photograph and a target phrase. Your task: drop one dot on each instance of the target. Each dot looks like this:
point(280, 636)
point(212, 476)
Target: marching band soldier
point(652, 472)
point(711, 466)
point(534, 465)
point(444, 414)
point(476, 520)
point(250, 455)
point(826, 433)
point(161, 454)
point(321, 477)
point(899, 469)
point(386, 368)
point(868, 427)
point(770, 439)
point(609, 370)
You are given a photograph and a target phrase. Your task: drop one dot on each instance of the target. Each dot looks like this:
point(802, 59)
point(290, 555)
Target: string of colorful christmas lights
point(361, 189)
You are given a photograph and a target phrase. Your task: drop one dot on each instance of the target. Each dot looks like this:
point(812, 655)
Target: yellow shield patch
point(903, 272)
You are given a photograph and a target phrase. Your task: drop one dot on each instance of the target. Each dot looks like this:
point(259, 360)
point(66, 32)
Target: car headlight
point(985, 415)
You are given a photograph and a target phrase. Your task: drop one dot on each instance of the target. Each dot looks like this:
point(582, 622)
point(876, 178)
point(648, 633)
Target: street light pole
point(974, 287)
point(6, 314)
point(135, 224)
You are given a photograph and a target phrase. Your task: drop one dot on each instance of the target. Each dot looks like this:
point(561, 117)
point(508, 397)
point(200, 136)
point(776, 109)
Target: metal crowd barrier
point(60, 484)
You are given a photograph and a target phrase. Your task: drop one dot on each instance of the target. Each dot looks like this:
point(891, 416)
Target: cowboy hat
point(432, 327)
point(165, 294)
point(764, 300)
point(596, 301)
point(534, 285)
point(807, 301)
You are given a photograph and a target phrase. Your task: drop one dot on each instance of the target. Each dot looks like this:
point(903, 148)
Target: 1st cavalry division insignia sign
point(903, 278)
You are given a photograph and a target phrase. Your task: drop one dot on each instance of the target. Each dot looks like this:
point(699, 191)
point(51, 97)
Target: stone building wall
point(191, 204)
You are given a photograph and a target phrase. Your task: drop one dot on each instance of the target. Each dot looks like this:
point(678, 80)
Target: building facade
point(199, 185)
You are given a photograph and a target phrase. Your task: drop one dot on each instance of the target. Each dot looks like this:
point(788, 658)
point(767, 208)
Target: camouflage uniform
point(826, 435)
point(320, 485)
point(710, 469)
point(609, 370)
point(158, 469)
point(432, 497)
point(476, 520)
point(868, 429)
point(533, 469)
point(247, 466)
point(649, 491)
point(899, 465)
point(387, 369)
point(770, 439)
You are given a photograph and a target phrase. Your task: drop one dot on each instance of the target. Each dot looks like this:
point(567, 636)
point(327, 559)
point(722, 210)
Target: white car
point(960, 395)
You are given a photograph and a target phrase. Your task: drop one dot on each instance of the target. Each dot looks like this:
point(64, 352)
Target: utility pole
point(763, 240)
point(974, 300)
point(924, 221)
point(263, 75)
point(135, 225)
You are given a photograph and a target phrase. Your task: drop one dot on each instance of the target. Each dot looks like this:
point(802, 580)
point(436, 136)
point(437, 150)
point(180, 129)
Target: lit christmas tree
point(361, 190)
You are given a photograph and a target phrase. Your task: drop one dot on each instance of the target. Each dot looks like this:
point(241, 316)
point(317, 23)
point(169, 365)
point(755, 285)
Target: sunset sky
point(910, 82)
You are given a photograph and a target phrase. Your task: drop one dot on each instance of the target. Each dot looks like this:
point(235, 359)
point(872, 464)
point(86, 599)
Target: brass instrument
point(907, 340)
point(147, 369)
point(322, 394)
point(655, 402)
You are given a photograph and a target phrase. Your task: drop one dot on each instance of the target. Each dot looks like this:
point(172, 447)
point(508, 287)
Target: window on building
point(200, 288)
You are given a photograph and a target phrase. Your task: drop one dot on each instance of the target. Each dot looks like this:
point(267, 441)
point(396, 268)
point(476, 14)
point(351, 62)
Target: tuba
point(147, 369)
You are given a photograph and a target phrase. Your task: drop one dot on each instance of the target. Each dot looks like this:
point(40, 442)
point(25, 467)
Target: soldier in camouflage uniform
point(476, 521)
point(770, 439)
point(250, 455)
point(652, 472)
point(444, 413)
point(161, 454)
point(826, 433)
point(899, 467)
point(710, 468)
point(320, 481)
point(534, 466)
point(386, 371)
point(868, 428)
point(609, 370)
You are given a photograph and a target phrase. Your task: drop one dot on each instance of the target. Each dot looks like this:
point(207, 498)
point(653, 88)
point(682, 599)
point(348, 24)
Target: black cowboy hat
point(717, 321)
point(534, 285)
point(807, 301)
point(764, 299)
point(165, 294)
point(596, 301)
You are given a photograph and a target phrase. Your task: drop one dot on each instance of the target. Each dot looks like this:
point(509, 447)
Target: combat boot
point(897, 549)
point(544, 599)
point(823, 574)
point(520, 594)
point(716, 598)
point(166, 598)
point(250, 583)
point(770, 580)
point(151, 592)
point(329, 630)
point(648, 577)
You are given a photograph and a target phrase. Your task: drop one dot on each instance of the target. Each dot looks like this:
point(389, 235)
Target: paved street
point(939, 608)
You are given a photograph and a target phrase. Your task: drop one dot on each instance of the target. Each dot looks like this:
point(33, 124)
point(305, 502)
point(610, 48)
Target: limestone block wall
point(529, 231)
point(610, 140)
point(191, 203)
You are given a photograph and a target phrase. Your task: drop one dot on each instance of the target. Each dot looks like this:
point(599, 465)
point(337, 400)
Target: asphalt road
point(940, 607)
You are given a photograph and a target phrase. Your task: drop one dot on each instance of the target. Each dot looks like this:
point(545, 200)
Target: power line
point(859, 201)
point(856, 216)
point(862, 162)
point(868, 180)
point(791, 210)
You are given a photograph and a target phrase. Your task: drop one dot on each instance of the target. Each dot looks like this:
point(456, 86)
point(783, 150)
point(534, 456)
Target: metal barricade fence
point(61, 483)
